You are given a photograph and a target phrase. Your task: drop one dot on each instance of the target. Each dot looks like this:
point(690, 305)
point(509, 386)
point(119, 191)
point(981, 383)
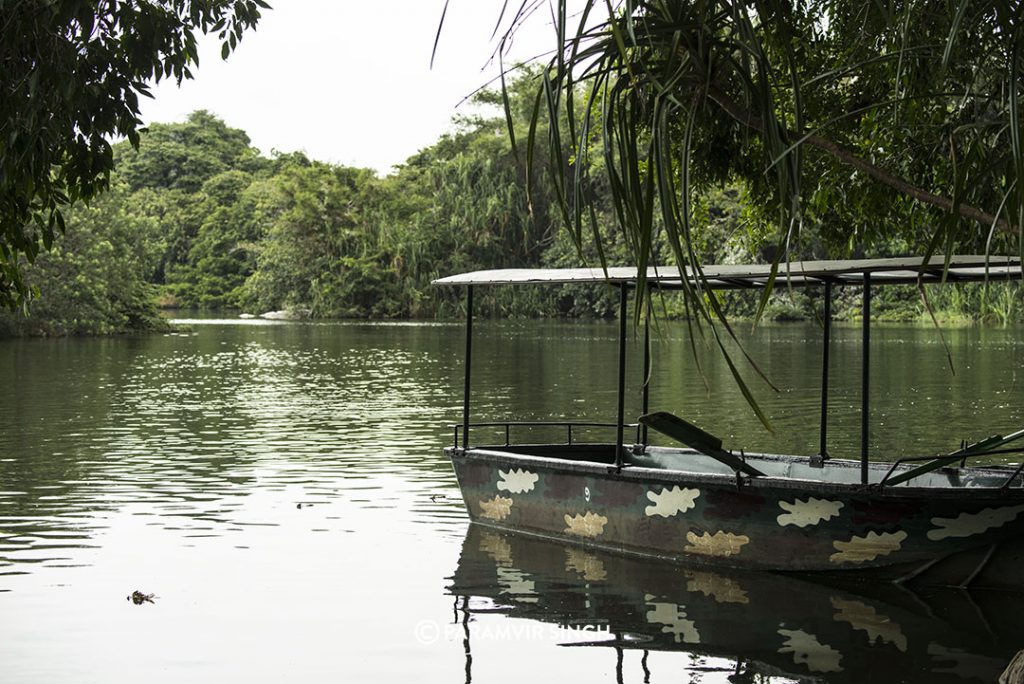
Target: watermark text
point(431, 631)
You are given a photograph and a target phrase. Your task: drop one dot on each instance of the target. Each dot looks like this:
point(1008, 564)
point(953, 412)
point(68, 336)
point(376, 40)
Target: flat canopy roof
point(965, 268)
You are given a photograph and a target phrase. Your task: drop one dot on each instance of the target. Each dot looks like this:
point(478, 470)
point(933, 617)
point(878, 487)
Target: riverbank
point(784, 307)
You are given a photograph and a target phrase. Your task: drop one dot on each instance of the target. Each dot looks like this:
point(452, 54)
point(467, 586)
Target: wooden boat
point(936, 520)
point(745, 623)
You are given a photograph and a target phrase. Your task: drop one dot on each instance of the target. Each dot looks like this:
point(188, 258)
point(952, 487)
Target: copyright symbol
point(427, 632)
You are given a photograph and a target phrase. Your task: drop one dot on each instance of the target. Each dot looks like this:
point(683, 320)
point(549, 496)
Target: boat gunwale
point(789, 483)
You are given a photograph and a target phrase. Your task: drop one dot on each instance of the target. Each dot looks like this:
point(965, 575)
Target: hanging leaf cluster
point(71, 74)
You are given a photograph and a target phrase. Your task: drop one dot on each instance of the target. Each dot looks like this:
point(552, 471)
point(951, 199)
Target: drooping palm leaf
point(886, 115)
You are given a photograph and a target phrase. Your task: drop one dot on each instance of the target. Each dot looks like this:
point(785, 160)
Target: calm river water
point(282, 490)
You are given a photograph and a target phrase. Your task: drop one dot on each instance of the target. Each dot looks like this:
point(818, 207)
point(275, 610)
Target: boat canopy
point(902, 270)
point(826, 274)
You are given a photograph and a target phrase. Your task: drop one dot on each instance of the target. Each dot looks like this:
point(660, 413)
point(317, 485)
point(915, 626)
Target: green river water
point(281, 488)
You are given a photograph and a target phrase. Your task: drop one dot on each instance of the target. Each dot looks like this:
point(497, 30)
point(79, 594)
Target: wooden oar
point(698, 440)
point(988, 444)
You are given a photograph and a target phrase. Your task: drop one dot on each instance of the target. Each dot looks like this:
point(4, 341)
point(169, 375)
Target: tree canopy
point(850, 122)
point(71, 73)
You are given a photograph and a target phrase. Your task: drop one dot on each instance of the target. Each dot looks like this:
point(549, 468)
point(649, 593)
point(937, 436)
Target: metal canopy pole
point(623, 299)
point(647, 368)
point(827, 339)
point(469, 366)
point(865, 379)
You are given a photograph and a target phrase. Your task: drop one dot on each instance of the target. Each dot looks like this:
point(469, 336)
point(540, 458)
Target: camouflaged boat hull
point(937, 535)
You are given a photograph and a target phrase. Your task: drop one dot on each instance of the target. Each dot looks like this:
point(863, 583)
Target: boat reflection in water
point(769, 624)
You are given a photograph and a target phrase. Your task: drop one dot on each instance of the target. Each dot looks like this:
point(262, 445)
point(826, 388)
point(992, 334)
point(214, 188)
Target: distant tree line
point(197, 217)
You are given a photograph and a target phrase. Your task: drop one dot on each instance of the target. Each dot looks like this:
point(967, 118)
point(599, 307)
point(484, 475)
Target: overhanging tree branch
point(850, 158)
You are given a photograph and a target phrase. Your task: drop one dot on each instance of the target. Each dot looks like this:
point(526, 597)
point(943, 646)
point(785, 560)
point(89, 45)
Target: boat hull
point(943, 536)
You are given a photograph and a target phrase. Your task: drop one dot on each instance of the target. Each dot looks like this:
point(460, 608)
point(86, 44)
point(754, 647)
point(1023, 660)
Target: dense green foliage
point(71, 73)
point(196, 217)
point(91, 281)
point(852, 124)
point(225, 227)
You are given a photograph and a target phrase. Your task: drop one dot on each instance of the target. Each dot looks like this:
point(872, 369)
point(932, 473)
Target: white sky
point(348, 81)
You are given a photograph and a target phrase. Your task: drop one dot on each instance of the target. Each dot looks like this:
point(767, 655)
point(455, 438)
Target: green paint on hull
point(760, 523)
